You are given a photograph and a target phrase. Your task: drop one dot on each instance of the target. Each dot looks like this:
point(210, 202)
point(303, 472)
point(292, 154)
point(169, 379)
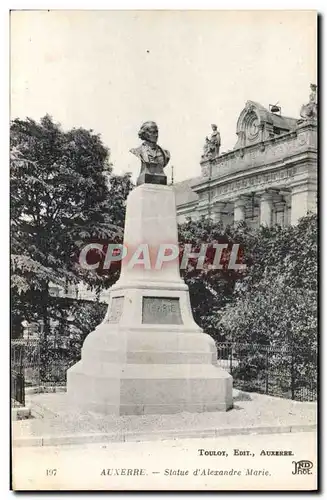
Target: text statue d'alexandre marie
point(153, 157)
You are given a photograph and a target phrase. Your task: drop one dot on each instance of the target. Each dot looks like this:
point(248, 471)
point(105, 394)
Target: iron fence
point(17, 389)
point(17, 374)
point(284, 371)
point(31, 368)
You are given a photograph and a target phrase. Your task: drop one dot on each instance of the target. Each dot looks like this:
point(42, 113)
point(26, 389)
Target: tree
point(274, 327)
point(63, 193)
point(276, 307)
point(74, 319)
point(269, 253)
point(211, 289)
point(269, 310)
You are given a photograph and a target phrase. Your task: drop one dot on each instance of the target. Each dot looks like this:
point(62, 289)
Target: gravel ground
point(249, 410)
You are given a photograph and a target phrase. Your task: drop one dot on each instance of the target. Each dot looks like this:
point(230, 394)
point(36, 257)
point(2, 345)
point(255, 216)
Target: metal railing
point(285, 371)
point(30, 369)
point(17, 389)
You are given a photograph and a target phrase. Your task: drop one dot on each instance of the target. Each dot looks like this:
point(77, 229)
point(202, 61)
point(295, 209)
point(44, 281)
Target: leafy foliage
point(63, 193)
point(273, 303)
point(74, 319)
point(270, 254)
point(210, 289)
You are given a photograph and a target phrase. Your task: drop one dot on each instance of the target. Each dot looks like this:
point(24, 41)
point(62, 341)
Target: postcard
point(163, 191)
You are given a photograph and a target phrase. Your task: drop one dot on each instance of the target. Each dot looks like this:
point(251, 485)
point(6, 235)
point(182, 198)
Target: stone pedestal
point(148, 355)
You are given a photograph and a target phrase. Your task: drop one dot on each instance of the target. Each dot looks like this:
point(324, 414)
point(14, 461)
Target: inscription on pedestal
point(161, 310)
point(116, 309)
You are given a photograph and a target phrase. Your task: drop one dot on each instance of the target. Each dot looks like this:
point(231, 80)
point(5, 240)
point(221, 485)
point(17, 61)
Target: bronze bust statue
point(153, 157)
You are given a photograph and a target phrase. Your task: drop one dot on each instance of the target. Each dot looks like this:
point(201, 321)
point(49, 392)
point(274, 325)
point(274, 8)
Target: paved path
point(170, 465)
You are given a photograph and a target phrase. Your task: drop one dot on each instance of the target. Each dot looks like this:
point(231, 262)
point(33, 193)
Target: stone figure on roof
point(215, 140)
point(309, 111)
point(206, 148)
point(153, 157)
point(212, 146)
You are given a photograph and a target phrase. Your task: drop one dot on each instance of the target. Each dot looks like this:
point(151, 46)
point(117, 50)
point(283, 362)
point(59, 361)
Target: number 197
point(51, 472)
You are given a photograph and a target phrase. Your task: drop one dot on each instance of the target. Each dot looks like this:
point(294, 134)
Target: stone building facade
point(270, 177)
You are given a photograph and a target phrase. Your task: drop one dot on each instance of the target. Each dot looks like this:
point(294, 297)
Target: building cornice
point(304, 142)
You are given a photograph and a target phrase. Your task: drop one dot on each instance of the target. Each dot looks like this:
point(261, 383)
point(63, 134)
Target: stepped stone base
point(144, 372)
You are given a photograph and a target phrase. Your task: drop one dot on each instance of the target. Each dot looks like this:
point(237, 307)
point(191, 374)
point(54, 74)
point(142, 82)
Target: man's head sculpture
point(149, 132)
point(153, 157)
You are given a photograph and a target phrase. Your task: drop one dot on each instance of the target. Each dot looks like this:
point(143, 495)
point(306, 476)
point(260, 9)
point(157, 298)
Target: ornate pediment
point(256, 124)
point(252, 122)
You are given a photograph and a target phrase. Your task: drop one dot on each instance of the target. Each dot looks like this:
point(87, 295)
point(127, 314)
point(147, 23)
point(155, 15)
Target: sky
point(112, 70)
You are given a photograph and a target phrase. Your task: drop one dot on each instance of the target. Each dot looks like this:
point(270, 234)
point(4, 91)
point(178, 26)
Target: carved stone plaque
point(116, 309)
point(161, 310)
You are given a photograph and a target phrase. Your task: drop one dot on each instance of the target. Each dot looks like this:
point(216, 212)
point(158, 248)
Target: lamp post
point(172, 175)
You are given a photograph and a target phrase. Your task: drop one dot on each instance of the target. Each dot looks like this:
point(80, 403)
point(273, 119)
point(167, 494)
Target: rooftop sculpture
point(212, 146)
point(309, 111)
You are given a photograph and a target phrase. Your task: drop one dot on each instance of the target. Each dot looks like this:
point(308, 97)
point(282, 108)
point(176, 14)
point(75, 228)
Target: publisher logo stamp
point(302, 467)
